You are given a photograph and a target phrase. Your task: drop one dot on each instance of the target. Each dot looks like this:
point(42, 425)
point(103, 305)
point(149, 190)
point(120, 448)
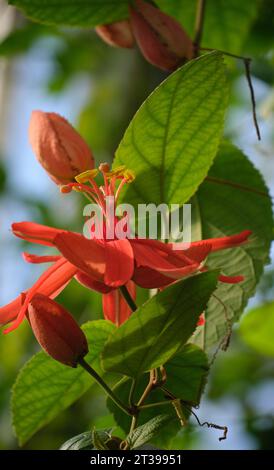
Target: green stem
point(199, 25)
point(131, 393)
point(129, 300)
point(151, 405)
point(102, 384)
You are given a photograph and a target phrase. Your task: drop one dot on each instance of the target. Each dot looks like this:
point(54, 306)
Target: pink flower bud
point(59, 148)
point(161, 39)
point(56, 330)
point(117, 34)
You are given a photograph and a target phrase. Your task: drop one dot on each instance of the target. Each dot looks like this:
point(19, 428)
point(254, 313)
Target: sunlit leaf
point(173, 138)
point(159, 328)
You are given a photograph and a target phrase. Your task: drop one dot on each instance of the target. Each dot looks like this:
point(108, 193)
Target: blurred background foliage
point(98, 88)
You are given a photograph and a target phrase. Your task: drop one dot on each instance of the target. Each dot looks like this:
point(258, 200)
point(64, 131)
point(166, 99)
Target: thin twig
point(247, 62)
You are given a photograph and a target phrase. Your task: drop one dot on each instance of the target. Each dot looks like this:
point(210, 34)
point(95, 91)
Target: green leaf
point(226, 23)
point(233, 198)
point(173, 138)
point(187, 372)
point(147, 431)
point(45, 387)
point(80, 442)
point(156, 331)
point(186, 377)
point(73, 12)
point(257, 329)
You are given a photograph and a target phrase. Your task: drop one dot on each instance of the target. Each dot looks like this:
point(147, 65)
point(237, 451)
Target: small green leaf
point(80, 442)
point(73, 12)
point(233, 198)
point(173, 138)
point(257, 329)
point(147, 431)
point(156, 331)
point(45, 387)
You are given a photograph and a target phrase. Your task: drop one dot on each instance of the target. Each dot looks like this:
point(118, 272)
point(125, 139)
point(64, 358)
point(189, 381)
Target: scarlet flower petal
point(197, 252)
point(90, 283)
point(10, 311)
point(231, 279)
point(119, 262)
point(147, 254)
point(35, 259)
point(226, 242)
point(115, 307)
point(35, 233)
point(148, 278)
point(50, 283)
point(87, 255)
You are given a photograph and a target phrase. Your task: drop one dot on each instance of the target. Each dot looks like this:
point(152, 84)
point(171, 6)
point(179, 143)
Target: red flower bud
point(161, 39)
point(56, 331)
point(117, 34)
point(59, 148)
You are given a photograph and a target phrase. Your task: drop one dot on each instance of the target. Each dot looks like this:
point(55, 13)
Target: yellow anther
point(118, 171)
point(129, 176)
point(86, 176)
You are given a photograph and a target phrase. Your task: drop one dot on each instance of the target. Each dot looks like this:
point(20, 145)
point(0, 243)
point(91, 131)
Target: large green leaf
point(73, 12)
point(173, 138)
point(233, 198)
point(226, 23)
point(186, 376)
point(45, 387)
point(257, 329)
point(156, 331)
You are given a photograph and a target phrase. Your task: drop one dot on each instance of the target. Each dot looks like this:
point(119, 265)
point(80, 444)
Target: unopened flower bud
point(118, 34)
point(162, 40)
point(56, 331)
point(59, 148)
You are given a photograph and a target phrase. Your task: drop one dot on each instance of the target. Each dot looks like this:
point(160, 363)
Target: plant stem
point(131, 393)
point(247, 62)
point(158, 403)
point(102, 384)
point(199, 25)
point(129, 300)
point(151, 384)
